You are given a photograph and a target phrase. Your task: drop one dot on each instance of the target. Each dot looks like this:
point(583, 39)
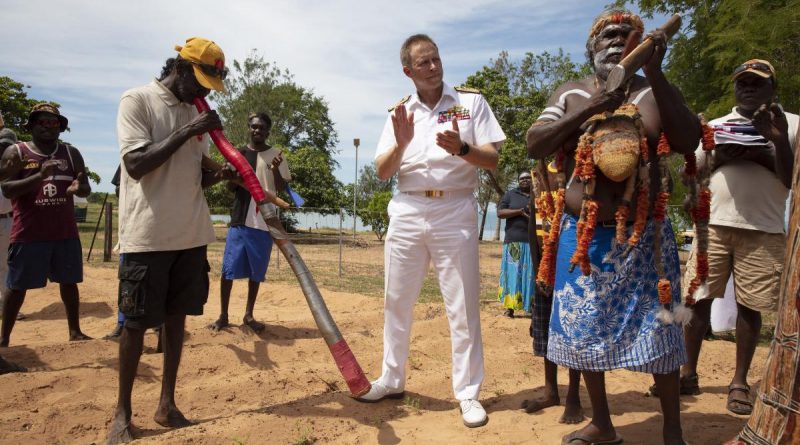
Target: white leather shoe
point(473, 413)
point(378, 392)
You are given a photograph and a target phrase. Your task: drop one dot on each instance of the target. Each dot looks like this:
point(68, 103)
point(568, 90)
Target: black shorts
point(153, 285)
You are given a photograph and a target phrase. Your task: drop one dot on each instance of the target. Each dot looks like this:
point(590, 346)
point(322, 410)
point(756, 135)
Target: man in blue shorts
point(249, 244)
point(43, 175)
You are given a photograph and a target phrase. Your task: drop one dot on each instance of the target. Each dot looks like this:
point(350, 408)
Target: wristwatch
point(464, 149)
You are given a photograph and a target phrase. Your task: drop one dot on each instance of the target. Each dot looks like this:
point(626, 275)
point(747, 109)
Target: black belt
point(6, 215)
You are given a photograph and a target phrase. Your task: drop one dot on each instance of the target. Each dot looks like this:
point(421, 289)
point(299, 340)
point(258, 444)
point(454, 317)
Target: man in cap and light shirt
point(750, 182)
point(433, 217)
point(165, 223)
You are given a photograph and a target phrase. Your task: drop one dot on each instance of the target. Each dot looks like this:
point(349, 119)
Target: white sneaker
point(473, 413)
point(379, 391)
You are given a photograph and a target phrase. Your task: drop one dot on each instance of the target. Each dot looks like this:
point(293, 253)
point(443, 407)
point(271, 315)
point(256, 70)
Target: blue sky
point(84, 54)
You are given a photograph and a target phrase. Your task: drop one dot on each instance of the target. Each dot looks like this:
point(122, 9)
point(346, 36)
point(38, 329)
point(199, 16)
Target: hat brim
point(758, 73)
point(210, 82)
point(63, 120)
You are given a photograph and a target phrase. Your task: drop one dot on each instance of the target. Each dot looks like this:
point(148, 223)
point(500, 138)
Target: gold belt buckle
point(434, 193)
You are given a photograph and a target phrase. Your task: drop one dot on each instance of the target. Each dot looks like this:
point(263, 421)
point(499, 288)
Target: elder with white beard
point(604, 314)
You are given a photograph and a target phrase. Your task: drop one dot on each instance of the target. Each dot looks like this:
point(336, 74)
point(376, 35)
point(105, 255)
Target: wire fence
point(343, 254)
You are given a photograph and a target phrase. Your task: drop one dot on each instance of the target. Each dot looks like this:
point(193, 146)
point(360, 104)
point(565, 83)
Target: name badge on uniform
point(457, 111)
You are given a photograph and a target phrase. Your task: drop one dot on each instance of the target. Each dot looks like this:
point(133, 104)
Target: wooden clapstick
point(628, 66)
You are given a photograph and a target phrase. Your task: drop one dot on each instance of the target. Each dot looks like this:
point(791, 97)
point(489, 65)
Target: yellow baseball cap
point(208, 61)
point(758, 67)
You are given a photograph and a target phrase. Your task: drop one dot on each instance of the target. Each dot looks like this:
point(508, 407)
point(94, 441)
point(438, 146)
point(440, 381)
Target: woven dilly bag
point(615, 142)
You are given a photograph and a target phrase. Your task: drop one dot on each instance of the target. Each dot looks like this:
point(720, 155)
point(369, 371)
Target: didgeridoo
point(345, 360)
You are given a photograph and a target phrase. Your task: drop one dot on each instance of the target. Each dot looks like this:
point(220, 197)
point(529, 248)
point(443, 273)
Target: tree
point(517, 93)
point(368, 185)
point(376, 215)
point(15, 106)
point(301, 127)
point(719, 35)
point(313, 179)
point(299, 117)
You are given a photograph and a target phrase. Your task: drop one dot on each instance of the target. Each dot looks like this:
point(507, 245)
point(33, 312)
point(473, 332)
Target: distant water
point(314, 220)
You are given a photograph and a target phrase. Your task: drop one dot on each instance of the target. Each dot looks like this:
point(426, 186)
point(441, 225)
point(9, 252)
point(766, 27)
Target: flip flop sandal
point(739, 405)
point(571, 439)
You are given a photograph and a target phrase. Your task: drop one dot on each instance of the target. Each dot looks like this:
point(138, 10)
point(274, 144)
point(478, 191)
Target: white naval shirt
point(425, 165)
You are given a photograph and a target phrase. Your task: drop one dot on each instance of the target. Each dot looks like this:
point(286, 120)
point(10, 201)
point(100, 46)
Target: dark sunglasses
point(48, 123)
point(211, 70)
point(754, 66)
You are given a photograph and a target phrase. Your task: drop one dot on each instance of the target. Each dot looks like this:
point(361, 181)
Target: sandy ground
point(281, 387)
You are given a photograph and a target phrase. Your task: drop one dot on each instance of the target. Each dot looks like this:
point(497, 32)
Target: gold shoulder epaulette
point(401, 102)
point(463, 89)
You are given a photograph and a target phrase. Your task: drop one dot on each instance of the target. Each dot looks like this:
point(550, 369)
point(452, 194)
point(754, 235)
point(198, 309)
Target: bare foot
point(171, 417)
point(8, 367)
point(589, 435)
point(78, 336)
point(531, 406)
point(573, 413)
point(251, 322)
point(120, 430)
point(3, 342)
point(220, 324)
point(674, 439)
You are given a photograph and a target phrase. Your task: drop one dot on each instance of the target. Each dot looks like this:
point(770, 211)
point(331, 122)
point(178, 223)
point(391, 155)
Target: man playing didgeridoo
point(604, 312)
point(165, 224)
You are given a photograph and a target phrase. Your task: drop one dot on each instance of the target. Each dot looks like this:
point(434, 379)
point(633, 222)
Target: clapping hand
point(76, 183)
point(276, 161)
point(403, 124)
point(770, 122)
point(46, 167)
point(450, 140)
point(228, 173)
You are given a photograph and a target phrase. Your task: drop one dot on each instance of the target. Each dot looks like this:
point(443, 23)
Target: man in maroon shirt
point(43, 175)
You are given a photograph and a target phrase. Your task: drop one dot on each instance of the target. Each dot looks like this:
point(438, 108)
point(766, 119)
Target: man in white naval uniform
point(434, 140)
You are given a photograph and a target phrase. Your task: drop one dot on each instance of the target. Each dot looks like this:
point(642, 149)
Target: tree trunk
point(776, 413)
point(483, 220)
point(496, 236)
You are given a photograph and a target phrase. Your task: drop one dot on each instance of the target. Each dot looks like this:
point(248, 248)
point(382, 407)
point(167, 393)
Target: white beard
point(601, 67)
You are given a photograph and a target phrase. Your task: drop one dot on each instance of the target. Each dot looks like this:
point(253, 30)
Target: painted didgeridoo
point(345, 360)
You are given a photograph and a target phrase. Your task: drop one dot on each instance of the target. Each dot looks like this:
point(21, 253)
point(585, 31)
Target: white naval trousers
point(444, 230)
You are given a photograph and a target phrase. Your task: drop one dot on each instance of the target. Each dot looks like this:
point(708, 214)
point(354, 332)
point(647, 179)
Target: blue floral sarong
point(607, 320)
point(516, 285)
